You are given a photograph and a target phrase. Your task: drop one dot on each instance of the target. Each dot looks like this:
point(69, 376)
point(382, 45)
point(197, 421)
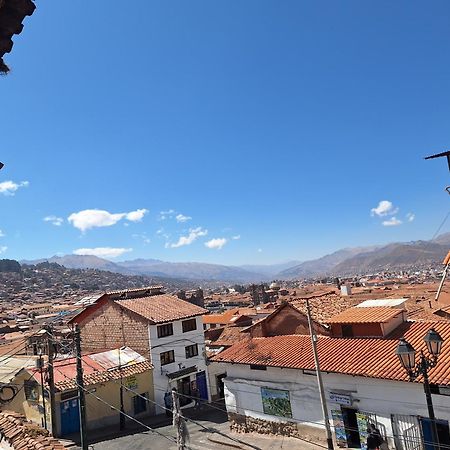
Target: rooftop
point(161, 308)
point(364, 357)
point(375, 314)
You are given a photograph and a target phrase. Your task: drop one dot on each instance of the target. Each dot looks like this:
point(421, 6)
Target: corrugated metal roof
point(10, 366)
point(119, 357)
point(387, 302)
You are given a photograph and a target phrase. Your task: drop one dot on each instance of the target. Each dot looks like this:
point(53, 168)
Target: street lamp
point(407, 356)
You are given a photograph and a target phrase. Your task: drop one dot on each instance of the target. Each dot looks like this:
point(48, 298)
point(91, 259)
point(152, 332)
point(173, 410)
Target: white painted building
point(271, 384)
point(178, 355)
point(396, 407)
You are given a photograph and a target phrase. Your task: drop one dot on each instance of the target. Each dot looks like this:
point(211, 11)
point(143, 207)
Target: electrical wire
point(113, 407)
point(259, 412)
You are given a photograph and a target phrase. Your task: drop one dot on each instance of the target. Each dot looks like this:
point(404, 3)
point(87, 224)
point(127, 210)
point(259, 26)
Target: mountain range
point(347, 261)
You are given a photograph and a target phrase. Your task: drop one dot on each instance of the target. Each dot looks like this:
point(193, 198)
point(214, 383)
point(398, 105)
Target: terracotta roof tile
point(375, 314)
point(104, 375)
point(373, 358)
point(22, 434)
point(161, 308)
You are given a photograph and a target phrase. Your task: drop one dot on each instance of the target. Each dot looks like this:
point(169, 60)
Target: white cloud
point(136, 216)
point(102, 252)
point(10, 187)
point(410, 217)
point(163, 215)
point(216, 243)
point(237, 237)
point(2, 234)
point(194, 234)
point(392, 222)
point(259, 250)
point(145, 239)
point(92, 218)
point(384, 208)
point(57, 221)
point(3, 249)
point(182, 218)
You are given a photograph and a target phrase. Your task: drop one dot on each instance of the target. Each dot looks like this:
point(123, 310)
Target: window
point(139, 403)
point(189, 325)
point(165, 330)
point(167, 357)
point(257, 367)
point(191, 351)
point(31, 390)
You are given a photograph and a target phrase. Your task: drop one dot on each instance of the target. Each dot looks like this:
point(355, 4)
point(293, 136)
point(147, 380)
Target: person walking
point(168, 403)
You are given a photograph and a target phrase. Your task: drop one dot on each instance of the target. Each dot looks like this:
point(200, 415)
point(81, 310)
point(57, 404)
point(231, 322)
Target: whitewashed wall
point(382, 397)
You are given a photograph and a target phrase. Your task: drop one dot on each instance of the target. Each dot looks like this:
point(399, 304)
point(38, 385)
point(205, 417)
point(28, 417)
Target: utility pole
point(41, 364)
point(319, 378)
point(51, 379)
point(81, 396)
point(179, 422)
point(122, 408)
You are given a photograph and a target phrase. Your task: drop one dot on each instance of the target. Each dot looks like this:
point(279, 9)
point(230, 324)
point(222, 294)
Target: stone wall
point(245, 424)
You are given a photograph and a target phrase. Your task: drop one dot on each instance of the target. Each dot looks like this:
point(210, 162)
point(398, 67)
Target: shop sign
point(341, 399)
point(131, 382)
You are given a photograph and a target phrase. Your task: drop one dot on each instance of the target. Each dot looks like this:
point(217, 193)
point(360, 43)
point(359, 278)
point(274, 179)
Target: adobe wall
point(110, 327)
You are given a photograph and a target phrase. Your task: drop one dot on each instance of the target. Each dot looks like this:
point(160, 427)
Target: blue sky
point(273, 130)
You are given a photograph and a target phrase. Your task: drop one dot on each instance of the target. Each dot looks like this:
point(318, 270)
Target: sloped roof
point(364, 357)
point(374, 314)
point(102, 376)
point(12, 13)
point(161, 308)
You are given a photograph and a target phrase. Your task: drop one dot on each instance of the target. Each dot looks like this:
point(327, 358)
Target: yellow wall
point(31, 409)
point(98, 414)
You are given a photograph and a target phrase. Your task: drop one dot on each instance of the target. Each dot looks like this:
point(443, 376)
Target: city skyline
point(231, 134)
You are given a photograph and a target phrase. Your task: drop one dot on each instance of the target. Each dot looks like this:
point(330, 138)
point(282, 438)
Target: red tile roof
point(230, 335)
point(101, 376)
point(22, 434)
point(364, 357)
point(375, 314)
point(220, 318)
point(161, 308)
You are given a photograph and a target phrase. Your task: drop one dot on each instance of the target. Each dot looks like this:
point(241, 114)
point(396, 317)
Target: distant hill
point(81, 262)
point(9, 265)
point(323, 265)
point(393, 257)
point(270, 270)
point(362, 260)
point(347, 261)
point(154, 267)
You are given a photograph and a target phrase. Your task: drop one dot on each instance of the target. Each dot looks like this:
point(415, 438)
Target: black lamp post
point(407, 356)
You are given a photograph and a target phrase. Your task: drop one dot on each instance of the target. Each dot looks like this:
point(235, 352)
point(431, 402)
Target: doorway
point(220, 385)
point(184, 389)
point(351, 427)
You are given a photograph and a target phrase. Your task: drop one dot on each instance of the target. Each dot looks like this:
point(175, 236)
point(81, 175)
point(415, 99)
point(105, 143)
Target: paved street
point(218, 436)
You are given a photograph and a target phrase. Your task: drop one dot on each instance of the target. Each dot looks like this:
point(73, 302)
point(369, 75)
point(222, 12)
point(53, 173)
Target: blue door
point(427, 432)
point(201, 385)
point(70, 416)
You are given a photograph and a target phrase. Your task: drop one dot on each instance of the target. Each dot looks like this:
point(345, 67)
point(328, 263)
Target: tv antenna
point(442, 155)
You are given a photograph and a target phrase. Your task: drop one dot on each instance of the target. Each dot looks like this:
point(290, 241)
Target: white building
point(271, 383)
point(161, 327)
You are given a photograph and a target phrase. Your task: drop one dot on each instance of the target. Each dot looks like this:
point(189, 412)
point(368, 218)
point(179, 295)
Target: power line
point(116, 409)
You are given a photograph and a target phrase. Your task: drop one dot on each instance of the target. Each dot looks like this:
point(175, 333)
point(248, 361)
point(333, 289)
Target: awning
point(182, 373)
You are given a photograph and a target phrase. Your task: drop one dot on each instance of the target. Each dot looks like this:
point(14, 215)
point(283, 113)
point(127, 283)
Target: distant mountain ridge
point(362, 260)
point(347, 261)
